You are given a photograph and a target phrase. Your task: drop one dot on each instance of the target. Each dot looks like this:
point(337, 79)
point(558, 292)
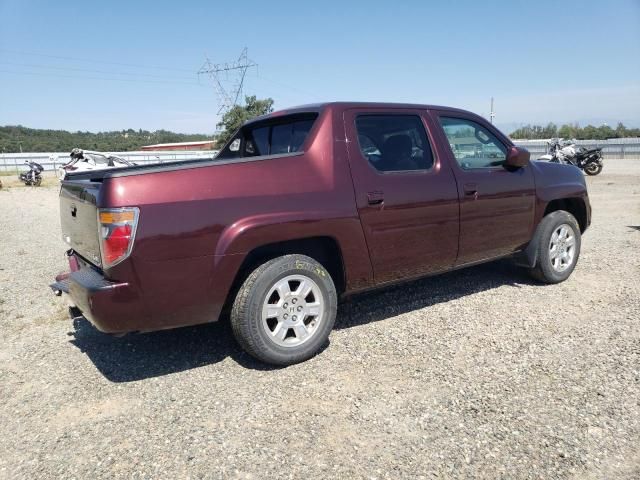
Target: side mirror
point(517, 157)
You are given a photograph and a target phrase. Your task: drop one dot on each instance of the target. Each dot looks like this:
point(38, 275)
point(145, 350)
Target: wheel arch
point(574, 205)
point(325, 250)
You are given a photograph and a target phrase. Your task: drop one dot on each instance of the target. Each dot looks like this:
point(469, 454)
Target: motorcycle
point(33, 176)
point(86, 160)
point(567, 152)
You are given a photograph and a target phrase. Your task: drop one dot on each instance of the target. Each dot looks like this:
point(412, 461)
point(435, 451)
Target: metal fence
point(14, 162)
point(614, 148)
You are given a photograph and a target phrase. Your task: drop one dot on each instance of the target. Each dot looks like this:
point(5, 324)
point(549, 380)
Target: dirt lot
point(477, 373)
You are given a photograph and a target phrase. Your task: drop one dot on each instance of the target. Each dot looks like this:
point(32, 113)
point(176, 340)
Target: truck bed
point(99, 175)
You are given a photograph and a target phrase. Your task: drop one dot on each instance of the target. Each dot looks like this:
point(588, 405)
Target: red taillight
point(117, 232)
point(116, 244)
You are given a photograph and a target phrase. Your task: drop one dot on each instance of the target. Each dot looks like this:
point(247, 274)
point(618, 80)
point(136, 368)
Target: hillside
point(12, 138)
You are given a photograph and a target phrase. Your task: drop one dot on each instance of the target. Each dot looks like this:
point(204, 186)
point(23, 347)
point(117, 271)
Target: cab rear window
point(272, 137)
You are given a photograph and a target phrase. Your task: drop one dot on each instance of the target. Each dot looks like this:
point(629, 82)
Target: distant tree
point(550, 131)
point(38, 140)
point(590, 132)
point(566, 131)
point(525, 132)
point(605, 131)
point(234, 118)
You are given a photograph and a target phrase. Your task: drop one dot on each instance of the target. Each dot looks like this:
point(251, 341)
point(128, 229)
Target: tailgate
point(78, 217)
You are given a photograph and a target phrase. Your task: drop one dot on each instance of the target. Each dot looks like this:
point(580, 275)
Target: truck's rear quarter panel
point(197, 224)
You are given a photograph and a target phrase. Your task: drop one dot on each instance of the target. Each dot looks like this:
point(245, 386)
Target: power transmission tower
point(228, 79)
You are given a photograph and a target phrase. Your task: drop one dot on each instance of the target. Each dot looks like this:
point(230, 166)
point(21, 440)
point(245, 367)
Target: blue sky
point(113, 65)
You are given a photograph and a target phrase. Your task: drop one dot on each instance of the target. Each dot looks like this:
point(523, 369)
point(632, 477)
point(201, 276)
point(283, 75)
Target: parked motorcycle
point(566, 151)
point(34, 176)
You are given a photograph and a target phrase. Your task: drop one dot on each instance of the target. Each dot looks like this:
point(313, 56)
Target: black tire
point(544, 271)
point(593, 169)
point(38, 181)
point(249, 328)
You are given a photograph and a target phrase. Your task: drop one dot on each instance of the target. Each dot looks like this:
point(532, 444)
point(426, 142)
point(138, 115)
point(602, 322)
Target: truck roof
point(318, 107)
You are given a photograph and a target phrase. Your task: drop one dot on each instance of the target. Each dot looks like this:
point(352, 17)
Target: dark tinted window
point(273, 137)
point(281, 138)
point(393, 143)
point(473, 145)
point(258, 141)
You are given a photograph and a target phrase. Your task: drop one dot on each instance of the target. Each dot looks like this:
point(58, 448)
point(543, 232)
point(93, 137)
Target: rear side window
point(394, 143)
point(272, 137)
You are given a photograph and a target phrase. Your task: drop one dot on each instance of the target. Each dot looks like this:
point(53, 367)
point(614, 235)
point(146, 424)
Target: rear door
point(497, 205)
point(405, 194)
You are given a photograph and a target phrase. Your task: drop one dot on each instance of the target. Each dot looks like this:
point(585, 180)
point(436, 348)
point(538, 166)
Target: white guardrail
point(14, 162)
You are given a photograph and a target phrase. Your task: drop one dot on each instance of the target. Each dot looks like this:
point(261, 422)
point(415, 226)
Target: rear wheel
point(285, 310)
point(558, 246)
point(38, 182)
point(593, 169)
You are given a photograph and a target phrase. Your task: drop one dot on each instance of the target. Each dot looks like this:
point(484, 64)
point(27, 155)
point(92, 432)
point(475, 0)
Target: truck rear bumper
point(107, 305)
point(112, 307)
point(172, 299)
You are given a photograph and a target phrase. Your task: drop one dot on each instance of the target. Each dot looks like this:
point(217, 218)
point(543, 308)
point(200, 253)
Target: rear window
point(272, 137)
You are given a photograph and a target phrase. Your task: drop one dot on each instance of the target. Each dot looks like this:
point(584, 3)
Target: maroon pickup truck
point(303, 206)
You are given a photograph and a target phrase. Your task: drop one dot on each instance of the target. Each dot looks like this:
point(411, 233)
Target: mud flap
point(529, 256)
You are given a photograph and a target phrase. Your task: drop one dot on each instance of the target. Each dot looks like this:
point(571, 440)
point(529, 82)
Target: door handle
point(375, 198)
point(471, 190)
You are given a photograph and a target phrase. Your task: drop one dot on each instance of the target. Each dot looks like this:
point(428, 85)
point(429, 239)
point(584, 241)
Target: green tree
point(37, 140)
point(566, 131)
point(587, 133)
point(234, 118)
point(605, 131)
point(590, 132)
point(621, 130)
point(550, 131)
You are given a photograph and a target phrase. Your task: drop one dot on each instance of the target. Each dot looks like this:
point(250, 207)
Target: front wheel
point(285, 310)
point(593, 168)
point(558, 246)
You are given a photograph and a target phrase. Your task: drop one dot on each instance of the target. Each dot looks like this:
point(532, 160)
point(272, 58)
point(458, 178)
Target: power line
point(83, 77)
point(132, 74)
point(90, 60)
point(76, 69)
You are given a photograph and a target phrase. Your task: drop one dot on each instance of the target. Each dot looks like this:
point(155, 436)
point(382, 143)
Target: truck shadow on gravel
point(141, 356)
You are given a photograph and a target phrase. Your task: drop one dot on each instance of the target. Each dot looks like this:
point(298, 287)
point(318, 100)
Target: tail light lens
point(117, 233)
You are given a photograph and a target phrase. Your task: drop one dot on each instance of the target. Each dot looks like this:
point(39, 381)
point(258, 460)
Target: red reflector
point(117, 243)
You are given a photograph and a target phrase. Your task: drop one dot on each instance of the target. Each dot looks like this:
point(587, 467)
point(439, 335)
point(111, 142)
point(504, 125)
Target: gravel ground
point(479, 373)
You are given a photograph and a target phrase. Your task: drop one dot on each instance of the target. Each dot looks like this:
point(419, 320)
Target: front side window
point(473, 145)
point(394, 143)
point(272, 137)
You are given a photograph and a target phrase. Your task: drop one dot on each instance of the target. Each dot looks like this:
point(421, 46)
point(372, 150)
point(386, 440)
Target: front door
point(405, 193)
point(497, 205)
